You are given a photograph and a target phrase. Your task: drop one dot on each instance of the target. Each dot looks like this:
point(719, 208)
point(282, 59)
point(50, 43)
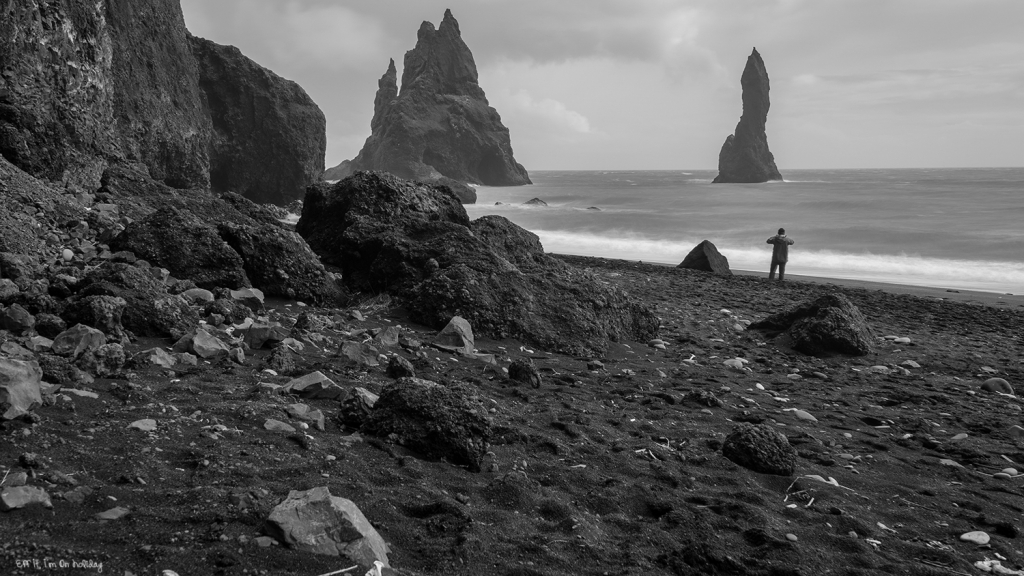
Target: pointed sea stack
point(439, 127)
point(745, 157)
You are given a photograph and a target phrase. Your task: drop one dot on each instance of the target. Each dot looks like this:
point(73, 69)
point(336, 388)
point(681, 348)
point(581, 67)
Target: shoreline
point(994, 299)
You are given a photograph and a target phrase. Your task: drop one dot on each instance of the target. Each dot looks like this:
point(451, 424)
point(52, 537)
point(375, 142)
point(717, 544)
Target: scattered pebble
point(277, 426)
point(791, 537)
point(115, 513)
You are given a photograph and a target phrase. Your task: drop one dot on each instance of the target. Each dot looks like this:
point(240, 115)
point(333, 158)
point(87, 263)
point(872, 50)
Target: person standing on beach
point(780, 253)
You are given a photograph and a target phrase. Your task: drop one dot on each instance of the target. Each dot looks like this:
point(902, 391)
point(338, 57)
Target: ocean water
point(956, 228)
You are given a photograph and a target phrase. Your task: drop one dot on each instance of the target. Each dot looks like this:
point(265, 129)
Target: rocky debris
point(388, 337)
point(439, 125)
point(17, 320)
point(359, 354)
point(760, 448)
point(434, 420)
point(13, 498)
point(49, 325)
point(280, 263)
point(187, 246)
point(203, 344)
point(315, 521)
point(105, 361)
point(197, 295)
point(260, 334)
point(456, 336)
point(356, 407)
point(20, 387)
point(8, 290)
point(523, 370)
point(251, 298)
point(112, 514)
point(145, 425)
point(305, 413)
point(827, 325)
point(77, 340)
point(399, 367)
point(275, 425)
point(313, 385)
point(997, 385)
point(269, 137)
point(706, 257)
point(164, 359)
point(745, 156)
point(150, 310)
point(385, 232)
point(101, 312)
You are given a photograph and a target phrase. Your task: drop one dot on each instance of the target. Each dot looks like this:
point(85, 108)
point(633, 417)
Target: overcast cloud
point(649, 84)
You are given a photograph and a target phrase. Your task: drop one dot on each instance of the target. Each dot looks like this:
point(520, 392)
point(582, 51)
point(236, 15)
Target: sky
point(655, 84)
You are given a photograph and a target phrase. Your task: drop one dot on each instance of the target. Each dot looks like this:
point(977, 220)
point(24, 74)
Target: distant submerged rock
point(440, 125)
point(745, 156)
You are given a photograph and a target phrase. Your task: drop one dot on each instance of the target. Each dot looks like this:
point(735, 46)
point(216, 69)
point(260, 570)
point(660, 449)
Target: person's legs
point(771, 273)
point(782, 270)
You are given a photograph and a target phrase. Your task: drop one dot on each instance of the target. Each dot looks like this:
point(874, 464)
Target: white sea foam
point(990, 276)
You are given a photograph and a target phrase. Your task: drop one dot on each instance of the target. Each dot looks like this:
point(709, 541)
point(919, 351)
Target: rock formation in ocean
point(745, 156)
point(439, 124)
point(87, 85)
point(269, 138)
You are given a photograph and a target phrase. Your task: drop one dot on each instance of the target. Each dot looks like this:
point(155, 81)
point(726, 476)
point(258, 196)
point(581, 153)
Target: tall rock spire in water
point(745, 156)
point(439, 127)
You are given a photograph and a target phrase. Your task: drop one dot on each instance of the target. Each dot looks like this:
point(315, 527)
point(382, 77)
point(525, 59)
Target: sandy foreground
point(613, 465)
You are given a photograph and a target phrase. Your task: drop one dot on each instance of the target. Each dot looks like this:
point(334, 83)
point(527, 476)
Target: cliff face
point(745, 156)
point(84, 85)
point(440, 123)
point(269, 137)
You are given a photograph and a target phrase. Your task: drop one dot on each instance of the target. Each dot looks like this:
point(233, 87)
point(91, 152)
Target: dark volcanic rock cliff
point(85, 85)
point(440, 124)
point(269, 137)
point(745, 156)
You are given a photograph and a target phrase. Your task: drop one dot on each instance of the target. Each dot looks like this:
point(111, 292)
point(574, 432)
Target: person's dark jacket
point(780, 252)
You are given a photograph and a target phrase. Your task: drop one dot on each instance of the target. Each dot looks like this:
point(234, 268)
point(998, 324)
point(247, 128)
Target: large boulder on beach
point(186, 245)
point(416, 242)
point(440, 124)
point(150, 309)
point(315, 521)
point(280, 263)
point(830, 324)
point(706, 257)
point(434, 420)
point(745, 156)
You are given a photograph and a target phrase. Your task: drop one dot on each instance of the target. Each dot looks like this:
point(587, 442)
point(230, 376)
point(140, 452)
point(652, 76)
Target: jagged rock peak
point(441, 61)
point(387, 91)
point(745, 156)
point(438, 127)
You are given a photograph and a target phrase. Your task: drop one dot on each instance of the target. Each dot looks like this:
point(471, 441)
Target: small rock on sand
point(978, 537)
point(997, 385)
